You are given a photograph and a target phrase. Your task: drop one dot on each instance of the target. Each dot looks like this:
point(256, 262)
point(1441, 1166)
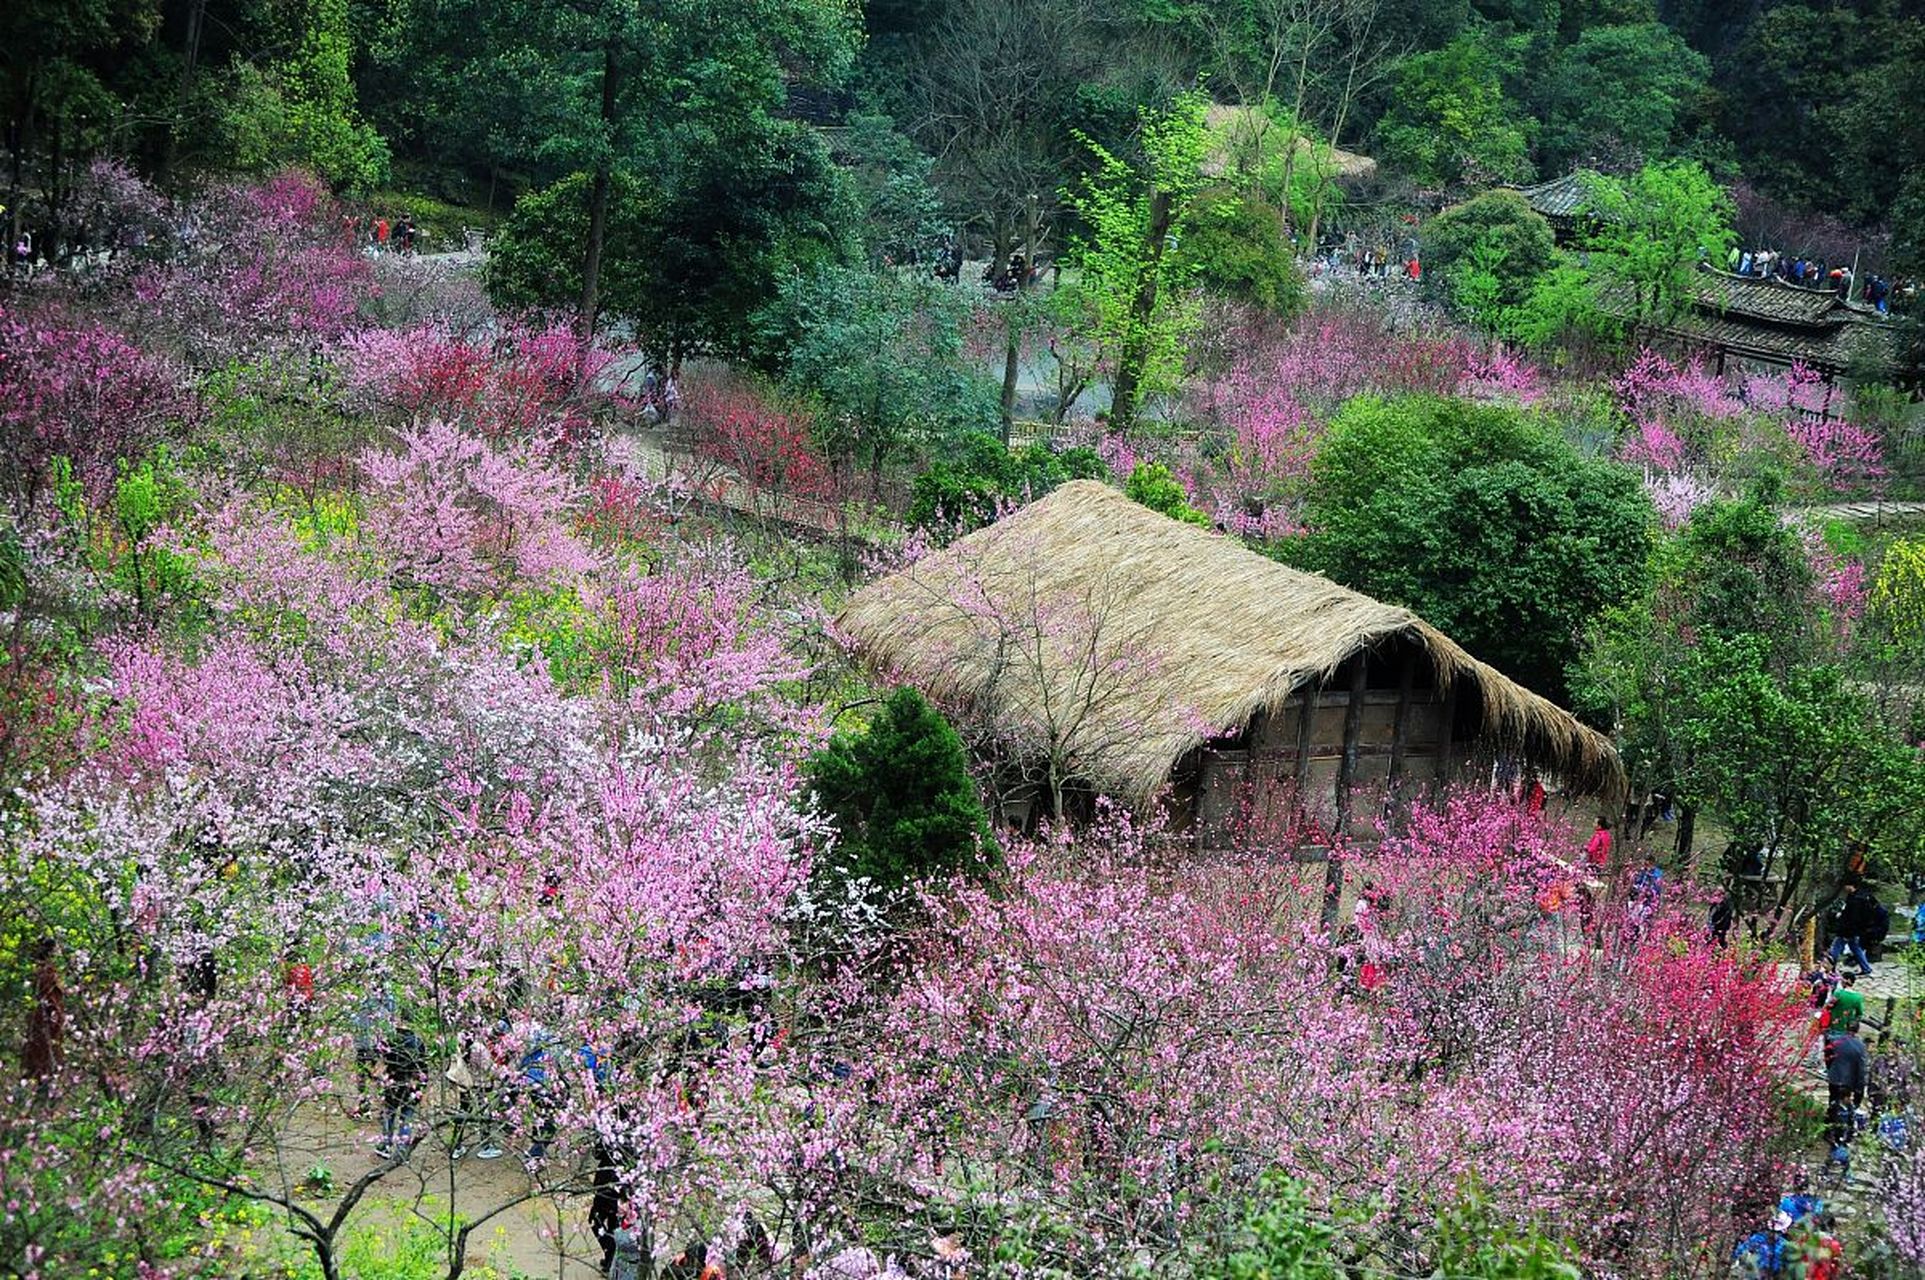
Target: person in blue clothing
point(1799, 1204)
point(535, 1078)
point(1762, 1253)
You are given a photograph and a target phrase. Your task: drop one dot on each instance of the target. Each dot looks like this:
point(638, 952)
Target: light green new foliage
point(1135, 299)
point(302, 111)
point(1898, 594)
point(1152, 485)
point(1650, 232)
point(1477, 286)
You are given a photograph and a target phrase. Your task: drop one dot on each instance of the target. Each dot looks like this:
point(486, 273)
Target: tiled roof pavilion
point(1749, 318)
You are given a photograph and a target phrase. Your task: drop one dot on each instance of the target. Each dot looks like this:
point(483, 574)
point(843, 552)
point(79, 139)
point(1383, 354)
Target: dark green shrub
point(902, 798)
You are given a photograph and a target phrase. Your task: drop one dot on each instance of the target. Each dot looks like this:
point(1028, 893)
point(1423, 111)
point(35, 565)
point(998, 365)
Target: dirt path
point(545, 1236)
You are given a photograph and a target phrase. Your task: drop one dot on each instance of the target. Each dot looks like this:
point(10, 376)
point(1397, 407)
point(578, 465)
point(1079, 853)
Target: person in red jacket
point(1598, 849)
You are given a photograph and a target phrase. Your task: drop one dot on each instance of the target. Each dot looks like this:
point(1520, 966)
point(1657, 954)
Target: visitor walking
point(406, 1059)
point(605, 1208)
point(47, 1019)
point(1762, 1253)
point(1597, 850)
point(1857, 920)
point(1889, 1084)
point(1845, 1076)
point(467, 1069)
point(368, 1024)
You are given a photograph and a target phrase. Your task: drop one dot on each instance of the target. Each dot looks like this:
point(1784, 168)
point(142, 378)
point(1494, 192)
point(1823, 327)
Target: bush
point(1496, 232)
point(1483, 520)
point(963, 494)
point(1152, 485)
point(902, 798)
point(1237, 247)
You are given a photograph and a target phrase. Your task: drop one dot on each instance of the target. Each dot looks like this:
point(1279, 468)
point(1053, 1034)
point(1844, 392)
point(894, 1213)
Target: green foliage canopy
point(1152, 485)
point(1449, 123)
point(1648, 233)
point(687, 267)
point(1483, 520)
point(1496, 234)
point(963, 488)
point(1234, 246)
point(1133, 294)
point(1620, 90)
point(882, 353)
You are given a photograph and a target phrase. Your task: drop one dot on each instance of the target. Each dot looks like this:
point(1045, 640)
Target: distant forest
point(971, 115)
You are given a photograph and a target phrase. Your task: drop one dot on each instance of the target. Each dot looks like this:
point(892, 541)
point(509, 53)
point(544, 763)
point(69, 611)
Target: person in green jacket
point(1847, 1006)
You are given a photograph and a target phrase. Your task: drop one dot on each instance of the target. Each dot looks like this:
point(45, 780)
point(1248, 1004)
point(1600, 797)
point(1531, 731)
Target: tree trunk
point(1128, 388)
point(184, 92)
point(1687, 827)
point(598, 196)
point(1011, 368)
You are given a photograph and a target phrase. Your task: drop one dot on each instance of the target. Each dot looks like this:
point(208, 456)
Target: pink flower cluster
point(538, 385)
point(1684, 420)
point(453, 512)
point(255, 269)
point(83, 391)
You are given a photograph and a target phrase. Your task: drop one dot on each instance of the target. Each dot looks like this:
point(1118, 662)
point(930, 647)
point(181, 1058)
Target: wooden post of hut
point(1353, 722)
point(1306, 726)
point(1445, 764)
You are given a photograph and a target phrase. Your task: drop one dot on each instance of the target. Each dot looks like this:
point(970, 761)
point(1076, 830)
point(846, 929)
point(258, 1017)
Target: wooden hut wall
point(1400, 726)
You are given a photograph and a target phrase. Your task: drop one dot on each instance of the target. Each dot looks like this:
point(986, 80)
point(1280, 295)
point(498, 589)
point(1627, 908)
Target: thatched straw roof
point(1230, 126)
point(1091, 625)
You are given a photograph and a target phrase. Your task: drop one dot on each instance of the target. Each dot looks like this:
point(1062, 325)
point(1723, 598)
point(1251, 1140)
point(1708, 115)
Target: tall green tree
point(1132, 288)
point(1483, 520)
point(674, 93)
point(1734, 575)
point(1496, 234)
point(1234, 247)
point(1648, 233)
point(1450, 124)
point(690, 265)
point(882, 355)
point(55, 100)
point(1796, 766)
point(301, 109)
point(1618, 92)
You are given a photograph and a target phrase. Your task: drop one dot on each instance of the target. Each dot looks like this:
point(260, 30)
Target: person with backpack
point(1847, 1005)
point(1845, 1077)
point(406, 1059)
point(1858, 917)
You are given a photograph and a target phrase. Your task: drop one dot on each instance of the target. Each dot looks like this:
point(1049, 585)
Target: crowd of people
point(378, 235)
point(1875, 291)
point(1868, 1093)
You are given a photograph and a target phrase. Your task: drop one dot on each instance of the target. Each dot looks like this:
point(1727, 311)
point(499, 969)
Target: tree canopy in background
point(1450, 124)
point(1620, 93)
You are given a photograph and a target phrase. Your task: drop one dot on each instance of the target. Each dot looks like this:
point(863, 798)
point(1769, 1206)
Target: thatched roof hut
point(1088, 625)
point(1232, 126)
